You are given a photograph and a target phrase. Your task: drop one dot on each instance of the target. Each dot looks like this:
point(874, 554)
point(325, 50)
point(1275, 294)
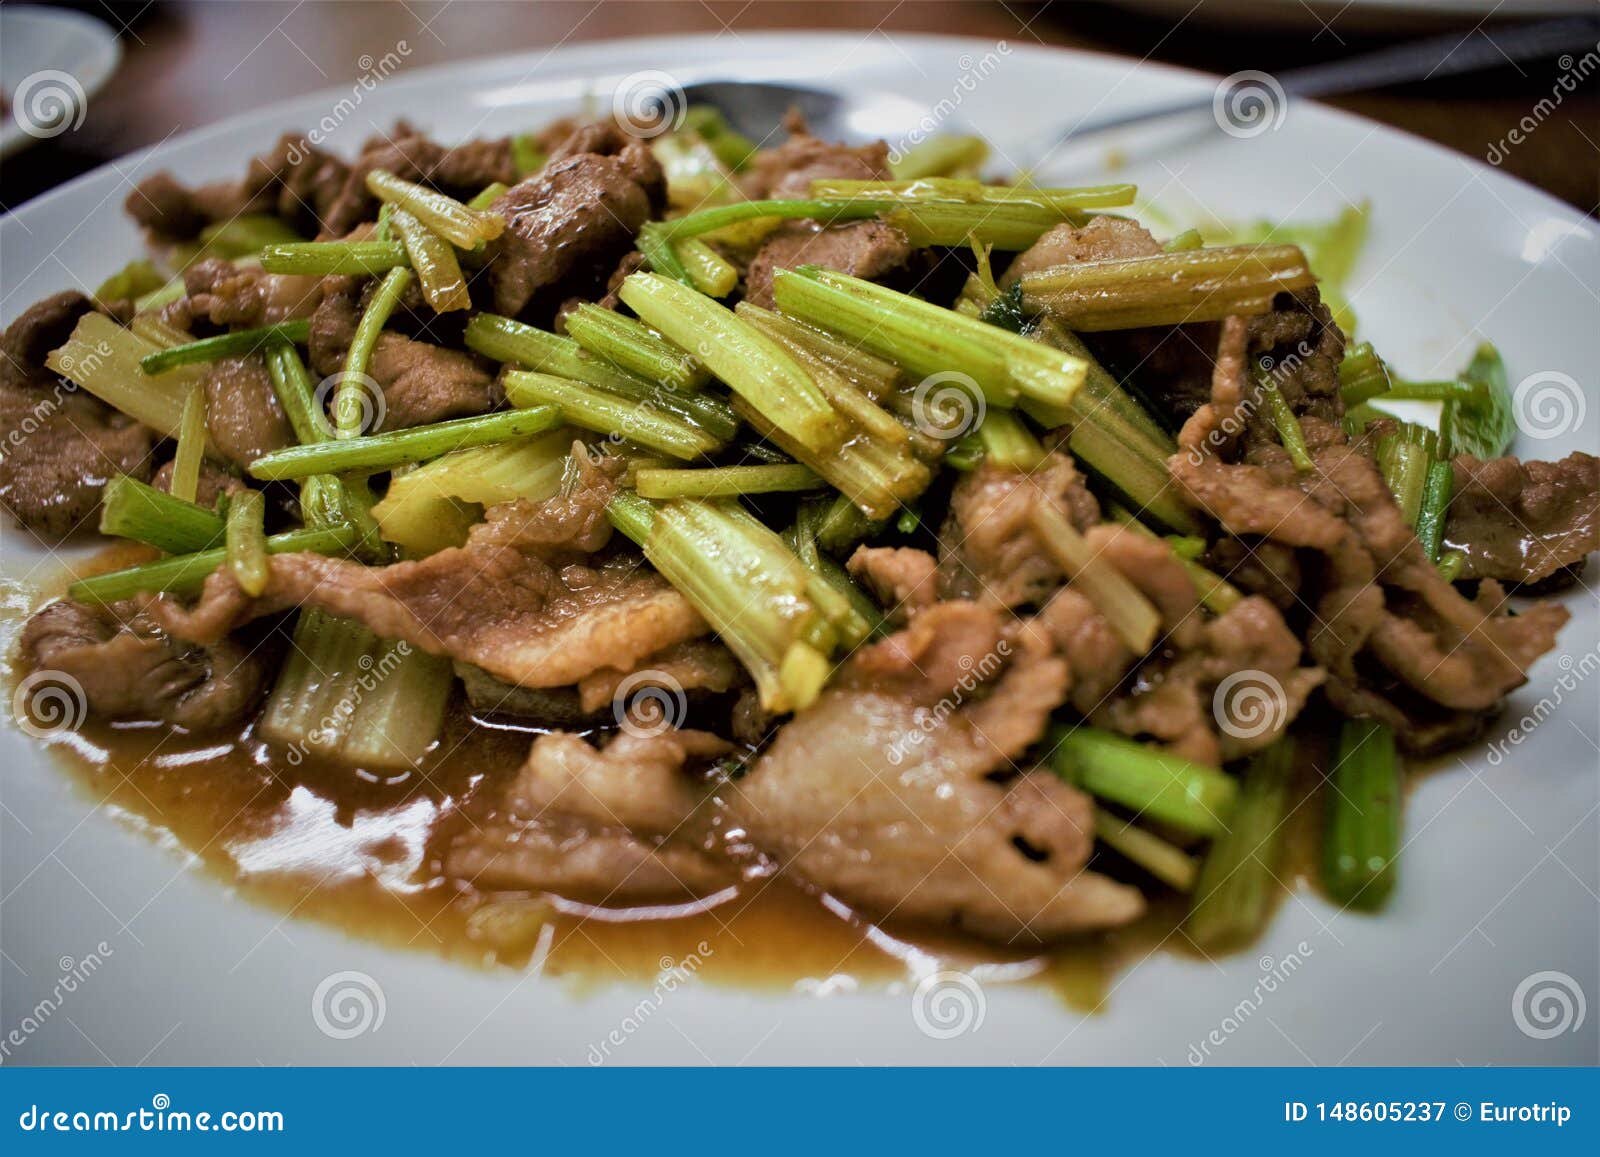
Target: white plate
point(52, 62)
point(1499, 877)
point(1368, 17)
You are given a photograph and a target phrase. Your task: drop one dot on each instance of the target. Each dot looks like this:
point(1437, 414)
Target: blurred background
point(187, 64)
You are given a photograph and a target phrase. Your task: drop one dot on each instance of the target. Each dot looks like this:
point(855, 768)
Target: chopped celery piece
point(633, 346)
point(322, 258)
point(1008, 442)
point(1403, 458)
point(1361, 840)
point(444, 215)
point(352, 403)
point(942, 156)
point(610, 414)
point(185, 482)
point(1183, 242)
point(133, 281)
point(346, 695)
point(1159, 786)
point(433, 506)
point(225, 345)
point(1240, 873)
point(183, 574)
point(724, 481)
point(1437, 489)
point(488, 195)
point(731, 147)
point(874, 376)
point(1162, 860)
point(1129, 613)
point(443, 284)
point(246, 541)
point(526, 156)
point(1287, 425)
point(712, 273)
point(1167, 288)
point(754, 366)
point(131, 509)
point(1362, 375)
point(505, 340)
point(749, 585)
point(376, 452)
point(104, 358)
point(244, 236)
point(1484, 425)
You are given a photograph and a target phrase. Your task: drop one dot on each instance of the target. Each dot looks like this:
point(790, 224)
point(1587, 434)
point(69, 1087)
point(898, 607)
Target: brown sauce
point(362, 853)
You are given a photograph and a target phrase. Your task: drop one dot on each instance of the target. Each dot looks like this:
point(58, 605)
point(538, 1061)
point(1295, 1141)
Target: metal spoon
point(757, 108)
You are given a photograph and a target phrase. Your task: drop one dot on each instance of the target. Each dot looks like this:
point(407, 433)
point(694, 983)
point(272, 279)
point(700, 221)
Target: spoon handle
point(1446, 55)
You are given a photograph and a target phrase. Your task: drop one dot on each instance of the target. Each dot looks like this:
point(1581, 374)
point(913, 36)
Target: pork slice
point(1522, 522)
point(131, 671)
point(521, 599)
point(58, 445)
point(873, 250)
point(901, 578)
point(463, 171)
point(988, 548)
point(614, 824)
point(246, 296)
point(576, 214)
point(294, 180)
point(788, 170)
point(897, 791)
point(421, 382)
point(1102, 239)
point(658, 683)
point(243, 417)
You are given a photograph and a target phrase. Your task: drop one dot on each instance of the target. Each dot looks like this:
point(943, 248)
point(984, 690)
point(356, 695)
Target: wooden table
point(189, 64)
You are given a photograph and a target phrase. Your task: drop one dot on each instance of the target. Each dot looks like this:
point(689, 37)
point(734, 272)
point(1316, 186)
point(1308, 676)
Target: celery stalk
point(185, 482)
point(236, 344)
point(593, 409)
point(377, 452)
point(184, 574)
point(246, 541)
point(1158, 785)
point(131, 509)
point(444, 215)
point(435, 263)
point(1130, 615)
point(104, 358)
point(632, 346)
point(322, 258)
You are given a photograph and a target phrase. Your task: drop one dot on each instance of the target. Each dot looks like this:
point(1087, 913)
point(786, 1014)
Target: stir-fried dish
point(960, 555)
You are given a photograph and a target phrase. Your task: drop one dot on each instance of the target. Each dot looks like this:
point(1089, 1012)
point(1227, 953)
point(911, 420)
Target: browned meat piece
point(574, 822)
point(295, 181)
point(988, 546)
point(43, 326)
point(60, 445)
point(1234, 690)
point(788, 170)
point(897, 792)
point(245, 296)
point(522, 600)
point(1263, 567)
point(697, 665)
point(1522, 522)
point(868, 249)
point(1102, 239)
point(607, 139)
point(462, 172)
point(243, 417)
point(1372, 592)
point(576, 214)
point(131, 671)
point(421, 382)
point(902, 579)
point(214, 482)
